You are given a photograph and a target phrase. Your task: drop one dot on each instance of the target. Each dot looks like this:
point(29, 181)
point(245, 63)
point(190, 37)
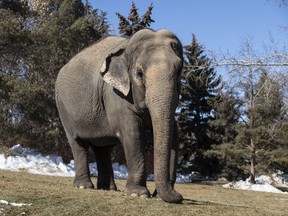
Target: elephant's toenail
point(134, 195)
point(144, 196)
point(82, 187)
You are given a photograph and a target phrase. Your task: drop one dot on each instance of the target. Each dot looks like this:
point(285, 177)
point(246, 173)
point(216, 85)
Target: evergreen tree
point(37, 53)
point(199, 91)
point(14, 46)
point(278, 157)
point(230, 157)
point(133, 23)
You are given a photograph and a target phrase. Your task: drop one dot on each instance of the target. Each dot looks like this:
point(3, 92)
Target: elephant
point(113, 91)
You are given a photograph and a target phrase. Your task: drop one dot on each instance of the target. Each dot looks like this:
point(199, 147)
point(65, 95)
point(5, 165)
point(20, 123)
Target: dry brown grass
point(56, 196)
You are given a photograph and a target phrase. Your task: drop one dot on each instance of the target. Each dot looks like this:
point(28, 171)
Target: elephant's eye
point(139, 73)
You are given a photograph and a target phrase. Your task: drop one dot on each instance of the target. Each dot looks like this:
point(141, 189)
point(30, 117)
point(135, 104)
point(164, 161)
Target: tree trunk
point(251, 126)
point(253, 162)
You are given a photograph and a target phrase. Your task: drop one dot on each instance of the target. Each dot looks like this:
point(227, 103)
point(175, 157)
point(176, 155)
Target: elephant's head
point(148, 65)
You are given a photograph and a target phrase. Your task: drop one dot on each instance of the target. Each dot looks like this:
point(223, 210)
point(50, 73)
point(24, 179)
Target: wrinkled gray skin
point(115, 90)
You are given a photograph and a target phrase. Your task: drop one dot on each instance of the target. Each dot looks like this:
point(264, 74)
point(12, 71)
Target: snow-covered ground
point(14, 204)
point(34, 162)
point(263, 183)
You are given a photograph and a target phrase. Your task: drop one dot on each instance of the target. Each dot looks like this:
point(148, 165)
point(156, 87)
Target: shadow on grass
point(210, 203)
point(197, 202)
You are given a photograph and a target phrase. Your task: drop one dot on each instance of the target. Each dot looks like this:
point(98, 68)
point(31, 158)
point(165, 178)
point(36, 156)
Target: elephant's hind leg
point(105, 178)
point(80, 153)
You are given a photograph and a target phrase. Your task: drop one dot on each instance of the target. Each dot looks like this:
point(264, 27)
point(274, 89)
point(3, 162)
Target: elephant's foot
point(137, 190)
point(168, 194)
point(155, 193)
point(83, 183)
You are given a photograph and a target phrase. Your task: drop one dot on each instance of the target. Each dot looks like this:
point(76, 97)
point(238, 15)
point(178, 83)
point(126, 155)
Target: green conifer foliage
point(14, 46)
point(35, 50)
point(224, 130)
point(199, 91)
point(133, 23)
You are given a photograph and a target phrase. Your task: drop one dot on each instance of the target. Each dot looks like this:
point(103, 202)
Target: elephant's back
point(90, 59)
point(94, 55)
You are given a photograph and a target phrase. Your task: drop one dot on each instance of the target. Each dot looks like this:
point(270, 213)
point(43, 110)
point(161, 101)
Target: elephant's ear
point(114, 69)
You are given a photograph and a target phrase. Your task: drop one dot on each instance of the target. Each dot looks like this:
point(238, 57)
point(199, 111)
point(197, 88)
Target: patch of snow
point(263, 179)
point(150, 177)
point(34, 162)
point(193, 177)
point(92, 168)
point(120, 171)
point(14, 204)
point(263, 183)
point(280, 179)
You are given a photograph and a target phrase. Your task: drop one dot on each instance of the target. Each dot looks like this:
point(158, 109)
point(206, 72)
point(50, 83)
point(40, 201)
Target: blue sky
point(219, 25)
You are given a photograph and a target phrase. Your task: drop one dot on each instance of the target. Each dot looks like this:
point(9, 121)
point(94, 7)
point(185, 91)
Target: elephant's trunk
point(162, 108)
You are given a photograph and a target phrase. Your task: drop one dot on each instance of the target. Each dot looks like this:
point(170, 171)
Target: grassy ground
point(56, 196)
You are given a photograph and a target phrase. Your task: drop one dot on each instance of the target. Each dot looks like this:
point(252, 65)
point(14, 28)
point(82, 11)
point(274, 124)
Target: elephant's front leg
point(173, 158)
point(132, 138)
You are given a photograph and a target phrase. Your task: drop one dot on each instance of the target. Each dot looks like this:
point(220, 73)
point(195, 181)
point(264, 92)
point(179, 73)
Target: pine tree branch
point(249, 64)
point(146, 19)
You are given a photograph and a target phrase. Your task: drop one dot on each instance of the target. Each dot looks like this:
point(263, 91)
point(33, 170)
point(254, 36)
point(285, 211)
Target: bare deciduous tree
point(244, 71)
